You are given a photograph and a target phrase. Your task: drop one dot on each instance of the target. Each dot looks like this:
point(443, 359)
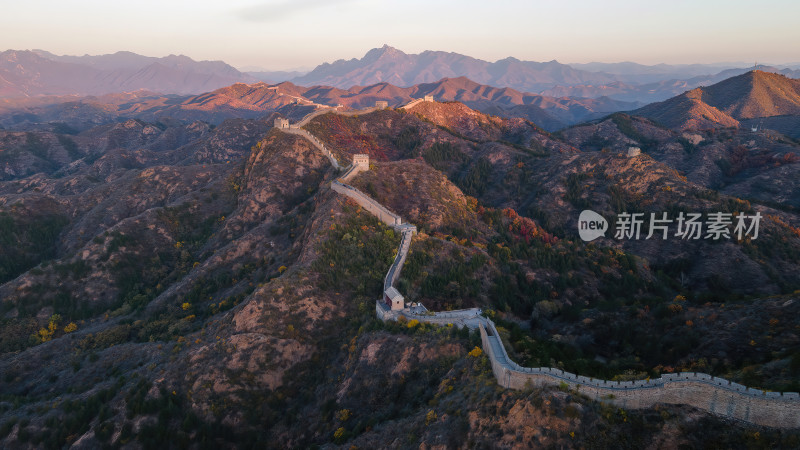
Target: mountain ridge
point(752, 95)
point(548, 112)
point(627, 81)
point(392, 65)
point(25, 73)
point(258, 99)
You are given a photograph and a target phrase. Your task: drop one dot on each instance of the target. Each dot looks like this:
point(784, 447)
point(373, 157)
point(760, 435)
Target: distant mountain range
point(275, 76)
point(658, 90)
point(752, 95)
point(32, 73)
point(259, 99)
point(772, 100)
point(38, 72)
point(390, 65)
point(621, 81)
point(39, 87)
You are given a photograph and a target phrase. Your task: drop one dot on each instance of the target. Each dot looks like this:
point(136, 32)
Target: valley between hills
point(177, 272)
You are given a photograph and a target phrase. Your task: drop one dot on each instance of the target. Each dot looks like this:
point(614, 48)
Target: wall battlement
point(412, 103)
point(397, 266)
point(360, 164)
point(375, 208)
point(712, 394)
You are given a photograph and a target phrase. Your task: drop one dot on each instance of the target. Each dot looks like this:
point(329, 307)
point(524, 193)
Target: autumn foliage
point(344, 134)
point(526, 229)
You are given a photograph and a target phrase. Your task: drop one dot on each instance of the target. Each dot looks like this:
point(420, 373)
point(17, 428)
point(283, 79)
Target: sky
point(291, 34)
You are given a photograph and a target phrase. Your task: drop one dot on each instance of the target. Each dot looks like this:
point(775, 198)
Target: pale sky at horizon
point(283, 34)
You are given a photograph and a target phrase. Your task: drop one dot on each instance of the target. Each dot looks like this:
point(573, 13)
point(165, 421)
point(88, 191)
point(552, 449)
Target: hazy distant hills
point(130, 60)
point(641, 73)
point(31, 73)
point(752, 95)
point(274, 76)
point(38, 72)
point(657, 90)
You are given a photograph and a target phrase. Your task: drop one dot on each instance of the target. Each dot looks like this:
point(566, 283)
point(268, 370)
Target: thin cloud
point(278, 10)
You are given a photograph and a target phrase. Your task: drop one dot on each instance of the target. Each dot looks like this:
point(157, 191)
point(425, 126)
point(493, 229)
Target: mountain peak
point(765, 75)
point(386, 51)
point(178, 58)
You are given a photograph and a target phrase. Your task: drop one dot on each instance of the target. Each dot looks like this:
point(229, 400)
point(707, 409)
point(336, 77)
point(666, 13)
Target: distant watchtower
point(634, 151)
point(428, 98)
point(281, 123)
point(381, 104)
point(361, 161)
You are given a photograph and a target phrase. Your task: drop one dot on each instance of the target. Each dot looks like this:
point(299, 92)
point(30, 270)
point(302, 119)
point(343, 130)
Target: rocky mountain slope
point(758, 166)
point(190, 285)
point(752, 95)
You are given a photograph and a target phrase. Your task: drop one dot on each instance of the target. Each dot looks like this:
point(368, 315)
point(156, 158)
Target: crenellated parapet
point(715, 395)
point(712, 394)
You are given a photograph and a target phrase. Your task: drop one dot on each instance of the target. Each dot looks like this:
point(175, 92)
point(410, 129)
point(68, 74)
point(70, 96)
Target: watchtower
point(361, 161)
point(281, 123)
point(394, 299)
point(634, 151)
point(428, 98)
point(381, 104)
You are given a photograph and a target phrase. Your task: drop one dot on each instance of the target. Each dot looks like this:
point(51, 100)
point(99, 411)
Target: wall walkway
point(714, 395)
point(366, 202)
point(412, 103)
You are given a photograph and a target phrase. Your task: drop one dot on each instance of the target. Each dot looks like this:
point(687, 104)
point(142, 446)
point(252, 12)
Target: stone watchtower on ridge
point(393, 299)
point(360, 164)
point(381, 104)
point(281, 123)
point(361, 161)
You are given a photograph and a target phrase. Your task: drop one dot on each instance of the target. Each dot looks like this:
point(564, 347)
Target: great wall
point(711, 394)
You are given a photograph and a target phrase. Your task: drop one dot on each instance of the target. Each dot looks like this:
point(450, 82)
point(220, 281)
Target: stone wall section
point(714, 395)
point(375, 208)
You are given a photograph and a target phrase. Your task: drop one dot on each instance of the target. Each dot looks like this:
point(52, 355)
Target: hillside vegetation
point(180, 285)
